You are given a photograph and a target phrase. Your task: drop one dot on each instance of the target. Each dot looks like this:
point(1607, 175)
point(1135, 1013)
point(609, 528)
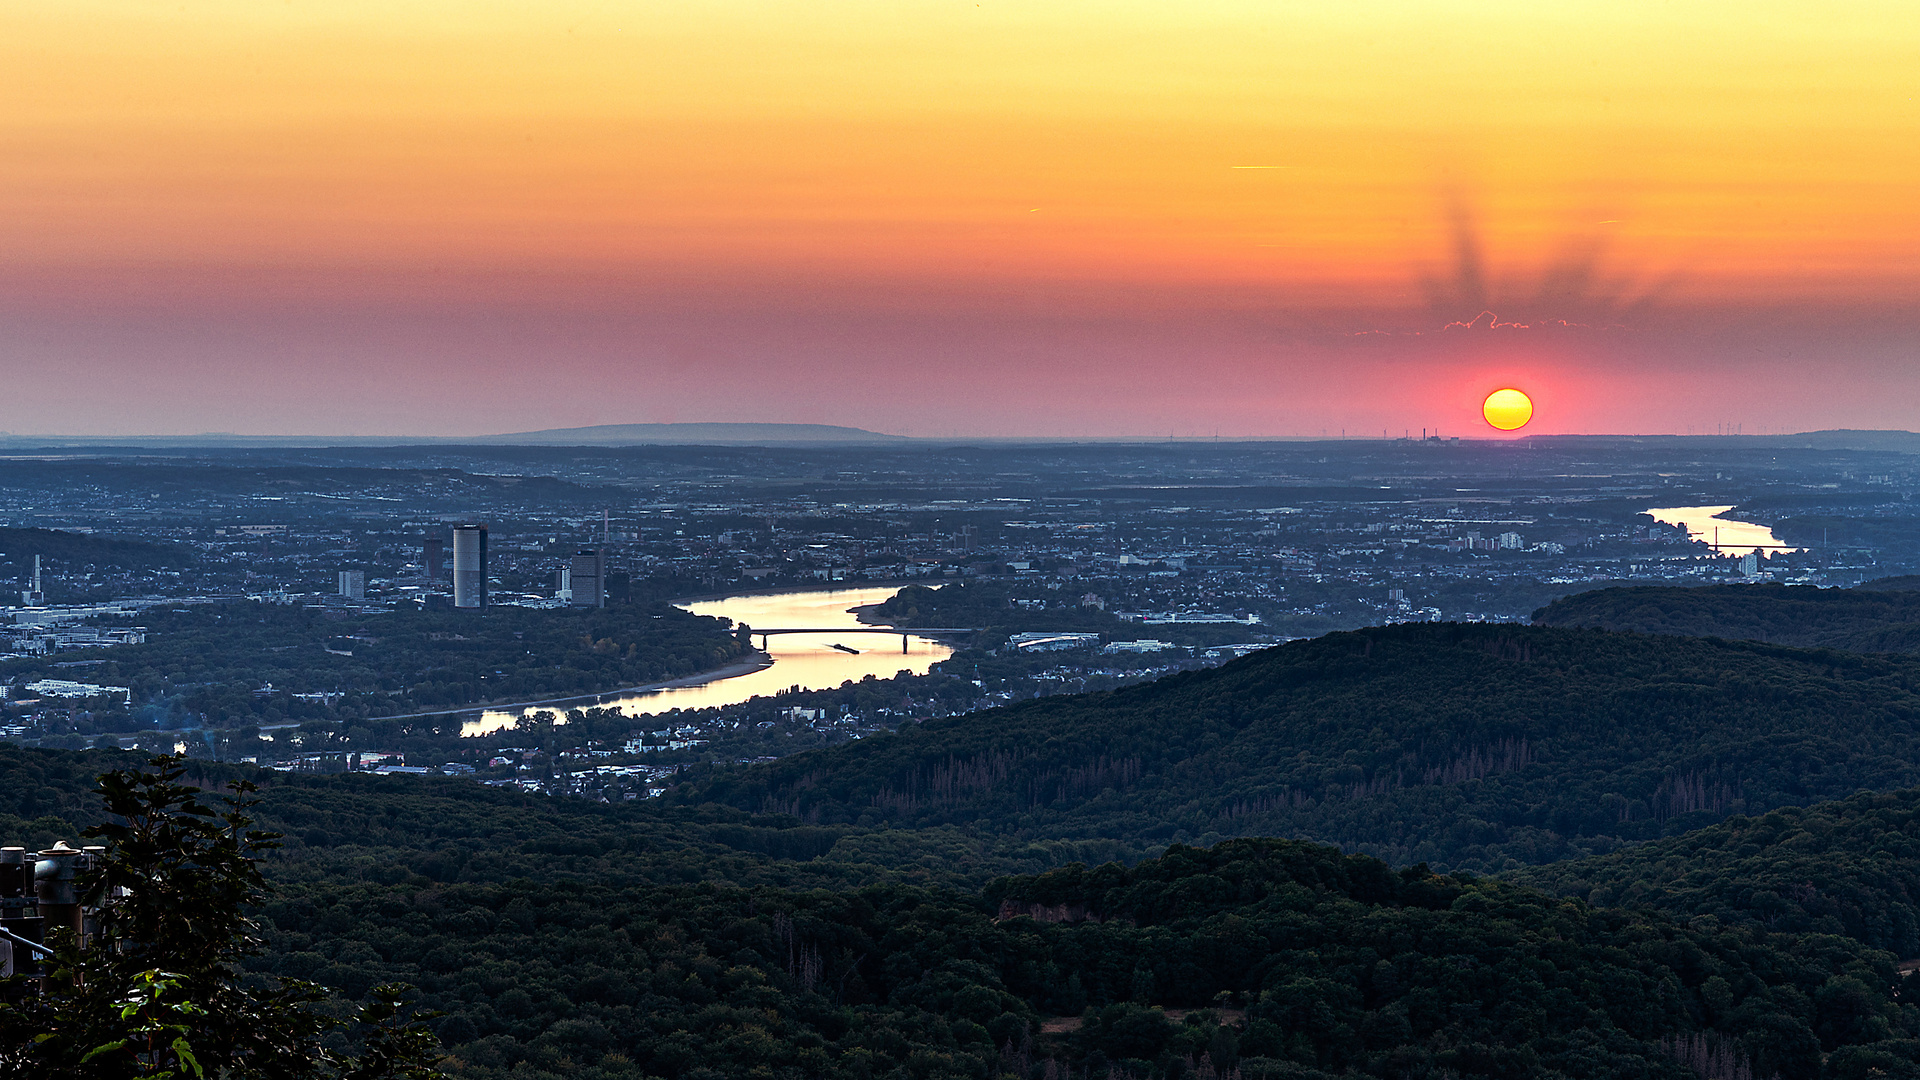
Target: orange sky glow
point(450, 218)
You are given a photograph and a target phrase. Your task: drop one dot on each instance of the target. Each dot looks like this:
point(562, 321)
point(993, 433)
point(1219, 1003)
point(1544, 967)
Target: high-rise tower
point(588, 577)
point(435, 557)
point(470, 566)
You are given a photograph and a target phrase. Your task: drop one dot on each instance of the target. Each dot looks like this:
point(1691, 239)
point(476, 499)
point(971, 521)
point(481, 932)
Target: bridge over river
point(905, 632)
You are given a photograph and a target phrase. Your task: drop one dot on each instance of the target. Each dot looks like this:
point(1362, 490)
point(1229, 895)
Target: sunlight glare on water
point(806, 660)
point(1704, 523)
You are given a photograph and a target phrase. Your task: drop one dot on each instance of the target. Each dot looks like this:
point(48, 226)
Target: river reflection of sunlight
point(806, 660)
point(1704, 523)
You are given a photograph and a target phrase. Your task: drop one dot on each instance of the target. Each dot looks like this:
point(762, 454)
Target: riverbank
point(701, 678)
point(784, 590)
point(806, 660)
point(731, 671)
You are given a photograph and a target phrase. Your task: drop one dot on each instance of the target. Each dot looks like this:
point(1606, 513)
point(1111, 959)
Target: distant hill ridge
point(1879, 617)
point(690, 434)
point(1465, 745)
point(1867, 439)
point(752, 434)
point(700, 433)
point(71, 550)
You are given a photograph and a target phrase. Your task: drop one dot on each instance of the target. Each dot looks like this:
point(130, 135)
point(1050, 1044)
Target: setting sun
point(1508, 409)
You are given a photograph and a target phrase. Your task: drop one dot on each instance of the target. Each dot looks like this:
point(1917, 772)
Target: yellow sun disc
point(1508, 409)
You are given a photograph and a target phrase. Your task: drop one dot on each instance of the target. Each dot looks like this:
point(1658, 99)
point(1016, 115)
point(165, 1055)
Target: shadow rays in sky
point(1576, 288)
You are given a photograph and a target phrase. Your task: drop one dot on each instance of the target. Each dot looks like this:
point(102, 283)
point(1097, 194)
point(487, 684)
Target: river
point(806, 660)
point(1704, 523)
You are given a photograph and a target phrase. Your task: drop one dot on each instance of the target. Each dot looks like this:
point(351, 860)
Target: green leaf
point(185, 1054)
point(105, 1048)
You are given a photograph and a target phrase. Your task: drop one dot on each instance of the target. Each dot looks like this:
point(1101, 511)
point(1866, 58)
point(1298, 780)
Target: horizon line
point(556, 437)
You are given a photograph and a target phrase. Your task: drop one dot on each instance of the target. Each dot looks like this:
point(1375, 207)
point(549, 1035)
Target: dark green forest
point(1705, 853)
point(1465, 746)
point(1867, 619)
point(987, 607)
point(1850, 867)
point(61, 550)
point(231, 665)
point(578, 940)
point(1323, 964)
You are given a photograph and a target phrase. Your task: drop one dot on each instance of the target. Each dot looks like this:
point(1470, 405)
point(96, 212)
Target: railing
point(922, 631)
point(905, 632)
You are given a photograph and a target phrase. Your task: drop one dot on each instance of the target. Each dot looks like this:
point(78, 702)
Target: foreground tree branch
point(156, 989)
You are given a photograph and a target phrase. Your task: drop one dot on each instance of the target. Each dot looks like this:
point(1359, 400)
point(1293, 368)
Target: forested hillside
point(1850, 867)
point(1323, 963)
point(1871, 620)
point(1461, 745)
point(62, 550)
point(360, 827)
point(1052, 889)
point(558, 949)
point(987, 607)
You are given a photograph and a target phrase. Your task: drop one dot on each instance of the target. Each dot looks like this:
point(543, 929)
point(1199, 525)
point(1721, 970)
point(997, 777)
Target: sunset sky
point(958, 218)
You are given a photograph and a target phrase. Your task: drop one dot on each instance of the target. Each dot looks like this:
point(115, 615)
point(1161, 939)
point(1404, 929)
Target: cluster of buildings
point(1198, 551)
point(466, 584)
point(1274, 532)
point(1473, 541)
point(44, 630)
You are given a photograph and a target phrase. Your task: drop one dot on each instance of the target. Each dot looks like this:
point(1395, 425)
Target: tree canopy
point(1873, 619)
point(1074, 886)
point(157, 987)
point(1461, 745)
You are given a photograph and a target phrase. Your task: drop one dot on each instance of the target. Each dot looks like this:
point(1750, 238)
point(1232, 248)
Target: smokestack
point(34, 595)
